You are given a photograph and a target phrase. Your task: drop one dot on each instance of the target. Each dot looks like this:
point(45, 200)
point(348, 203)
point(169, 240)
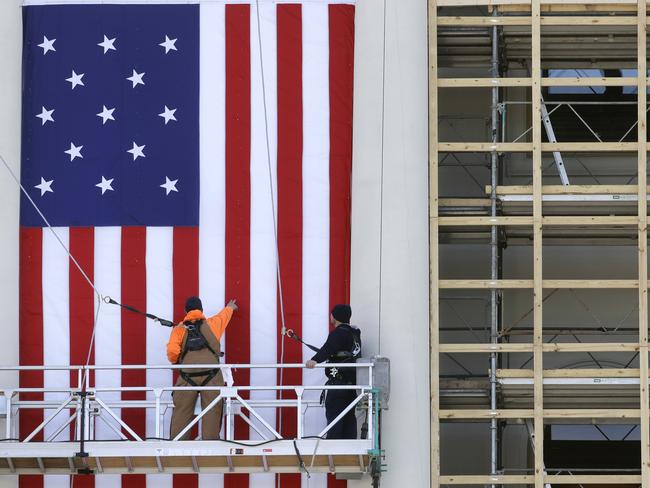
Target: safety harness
point(195, 341)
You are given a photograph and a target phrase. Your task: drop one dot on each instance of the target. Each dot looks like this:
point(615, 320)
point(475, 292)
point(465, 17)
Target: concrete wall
point(389, 221)
point(10, 75)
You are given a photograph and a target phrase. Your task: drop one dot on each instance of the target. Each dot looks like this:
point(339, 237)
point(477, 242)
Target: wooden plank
point(591, 347)
point(596, 479)
point(642, 214)
point(603, 220)
point(484, 147)
point(482, 21)
point(476, 348)
point(514, 82)
point(566, 190)
point(549, 413)
point(505, 284)
point(482, 82)
point(510, 479)
point(528, 147)
point(473, 414)
point(571, 373)
point(607, 220)
point(538, 291)
point(547, 347)
point(434, 301)
point(565, 20)
point(485, 284)
point(464, 221)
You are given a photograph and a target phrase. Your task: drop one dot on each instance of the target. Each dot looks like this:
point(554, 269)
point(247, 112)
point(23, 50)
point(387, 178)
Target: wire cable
point(273, 204)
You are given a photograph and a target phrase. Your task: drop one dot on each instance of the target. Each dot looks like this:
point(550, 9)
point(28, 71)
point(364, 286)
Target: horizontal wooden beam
point(545, 20)
point(605, 220)
point(506, 284)
point(528, 479)
point(469, 3)
point(465, 221)
point(513, 82)
point(567, 190)
point(571, 373)
point(549, 413)
point(546, 146)
point(547, 347)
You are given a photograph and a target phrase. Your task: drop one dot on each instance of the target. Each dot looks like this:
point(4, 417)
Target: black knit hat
point(342, 313)
point(193, 303)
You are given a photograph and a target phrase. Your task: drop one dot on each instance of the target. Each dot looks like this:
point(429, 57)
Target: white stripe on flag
point(315, 268)
point(159, 253)
point(212, 207)
point(108, 331)
point(263, 257)
point(56, 332)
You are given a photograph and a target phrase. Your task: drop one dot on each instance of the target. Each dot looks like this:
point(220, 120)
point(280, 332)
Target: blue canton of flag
point(111, 115)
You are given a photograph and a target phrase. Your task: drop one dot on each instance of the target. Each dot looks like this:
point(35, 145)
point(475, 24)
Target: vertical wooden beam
point(434, 324)
point(643, 240)
point(538, 366)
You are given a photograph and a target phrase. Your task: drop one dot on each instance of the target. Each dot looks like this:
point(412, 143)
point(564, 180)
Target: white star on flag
point(74, 151)
point(45, 115)
point(105, 185)
point(169, 44)
point(107, 44)
point(75, 79)
point(137, 151)
point(168, 114)
point(45, 186)
point(106, 114)
point(136, 78)
point(169, 185)
point(47, 45)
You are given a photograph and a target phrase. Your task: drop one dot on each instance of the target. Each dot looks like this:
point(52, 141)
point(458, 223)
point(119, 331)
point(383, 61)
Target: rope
point(40, 213)
point(273, 206)
point(77, 265)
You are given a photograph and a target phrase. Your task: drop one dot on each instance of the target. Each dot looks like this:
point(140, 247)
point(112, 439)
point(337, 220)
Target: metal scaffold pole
point(494, 251)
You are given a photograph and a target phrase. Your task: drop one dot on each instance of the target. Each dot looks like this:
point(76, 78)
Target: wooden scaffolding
point(537, 211)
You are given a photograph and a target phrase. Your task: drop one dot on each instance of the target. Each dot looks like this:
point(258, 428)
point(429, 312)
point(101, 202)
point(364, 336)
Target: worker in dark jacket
point(342, 345)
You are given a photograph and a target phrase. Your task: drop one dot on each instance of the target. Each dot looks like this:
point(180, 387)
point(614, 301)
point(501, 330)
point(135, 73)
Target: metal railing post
point(157, 392)
point(9, 421)
point(299, 427)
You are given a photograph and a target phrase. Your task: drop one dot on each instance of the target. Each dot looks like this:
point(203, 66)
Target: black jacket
point(340, 339)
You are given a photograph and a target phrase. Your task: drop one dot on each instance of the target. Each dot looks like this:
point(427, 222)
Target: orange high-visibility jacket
point(217, 323)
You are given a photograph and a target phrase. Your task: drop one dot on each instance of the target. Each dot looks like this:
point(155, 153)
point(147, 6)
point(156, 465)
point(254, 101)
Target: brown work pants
point(184, 402)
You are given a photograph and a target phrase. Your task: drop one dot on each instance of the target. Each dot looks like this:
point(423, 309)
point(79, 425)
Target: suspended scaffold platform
point(77, 412)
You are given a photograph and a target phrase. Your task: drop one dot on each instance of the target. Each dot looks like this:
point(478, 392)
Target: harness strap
point(207, 344)
point(209, 374)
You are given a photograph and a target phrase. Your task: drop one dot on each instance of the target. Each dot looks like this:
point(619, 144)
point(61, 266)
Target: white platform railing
point(85, 404)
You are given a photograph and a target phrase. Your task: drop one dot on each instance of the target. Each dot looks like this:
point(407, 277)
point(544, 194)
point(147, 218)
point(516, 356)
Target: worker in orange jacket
point(196, 340)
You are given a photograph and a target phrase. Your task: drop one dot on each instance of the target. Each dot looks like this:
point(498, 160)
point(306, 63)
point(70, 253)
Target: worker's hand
point(233, 304)
point(311, 364)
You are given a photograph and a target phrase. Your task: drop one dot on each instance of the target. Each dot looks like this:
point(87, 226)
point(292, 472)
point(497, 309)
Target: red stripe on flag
point(30, 352)
point(238, 142)
point(82, 311)
point(341, 75)
point(185, 266)
point(134, 332)
point(289, 72)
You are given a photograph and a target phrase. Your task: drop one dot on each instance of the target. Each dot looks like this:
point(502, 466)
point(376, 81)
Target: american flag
point(144, 143)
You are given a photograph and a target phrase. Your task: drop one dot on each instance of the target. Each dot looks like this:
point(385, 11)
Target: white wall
point(389, 221)
point(10, 53)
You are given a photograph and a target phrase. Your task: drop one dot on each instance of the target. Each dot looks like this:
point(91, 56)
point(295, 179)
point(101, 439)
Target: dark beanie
point(342, 313)
point(193, 303)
